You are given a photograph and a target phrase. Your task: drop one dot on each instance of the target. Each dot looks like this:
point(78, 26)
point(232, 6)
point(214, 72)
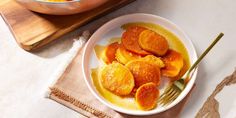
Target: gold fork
point(174, 89)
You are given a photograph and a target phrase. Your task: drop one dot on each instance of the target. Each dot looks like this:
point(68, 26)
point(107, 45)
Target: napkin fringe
point(62, 95)
point(77, 45)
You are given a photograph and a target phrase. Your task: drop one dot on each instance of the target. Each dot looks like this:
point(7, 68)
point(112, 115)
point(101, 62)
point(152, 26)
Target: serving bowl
point(61, 8)
point(113, 29)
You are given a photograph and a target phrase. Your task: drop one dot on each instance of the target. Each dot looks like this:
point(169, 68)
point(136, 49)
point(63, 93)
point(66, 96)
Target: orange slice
point(154, 60)
point(130, 40)
point(144, 72)
point(124, 56)
point(146, 96)
point(153, 42)
point(173, 63)
point(109, 53)
point(117, 78)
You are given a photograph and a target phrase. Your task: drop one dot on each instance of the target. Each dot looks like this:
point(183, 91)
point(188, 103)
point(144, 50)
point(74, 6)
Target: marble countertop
point(24, 76)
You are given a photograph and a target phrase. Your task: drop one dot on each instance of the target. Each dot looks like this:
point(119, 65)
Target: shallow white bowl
point(112, 29)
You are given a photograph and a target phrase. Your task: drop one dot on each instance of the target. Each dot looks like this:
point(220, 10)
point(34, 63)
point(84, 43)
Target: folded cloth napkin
point(70, 90)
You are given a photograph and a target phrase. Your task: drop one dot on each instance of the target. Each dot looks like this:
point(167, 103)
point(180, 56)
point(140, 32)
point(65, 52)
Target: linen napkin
point(69, 89)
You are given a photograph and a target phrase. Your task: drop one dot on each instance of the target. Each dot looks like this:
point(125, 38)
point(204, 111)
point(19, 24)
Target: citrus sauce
point(99, 51)
point(128, 102)
point(124, 102)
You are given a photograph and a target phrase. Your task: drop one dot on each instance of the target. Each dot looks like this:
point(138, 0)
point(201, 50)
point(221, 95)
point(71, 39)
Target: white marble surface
point(24, 76)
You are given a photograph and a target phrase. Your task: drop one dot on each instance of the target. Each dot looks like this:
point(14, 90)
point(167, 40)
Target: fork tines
point(169, 95)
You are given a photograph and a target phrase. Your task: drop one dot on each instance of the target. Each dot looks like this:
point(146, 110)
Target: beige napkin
point(70, 90)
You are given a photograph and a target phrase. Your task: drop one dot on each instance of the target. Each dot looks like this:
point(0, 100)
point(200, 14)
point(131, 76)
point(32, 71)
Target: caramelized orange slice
point(146, 96)
point(173, 63)
point(144, 72)
point(117, 78)
point(109, 53)
point(124, 56)
point(153, 42)
point(130, 40)
point(154, 60)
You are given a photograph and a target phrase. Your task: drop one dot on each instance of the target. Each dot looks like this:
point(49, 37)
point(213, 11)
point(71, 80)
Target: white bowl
point(112, 29)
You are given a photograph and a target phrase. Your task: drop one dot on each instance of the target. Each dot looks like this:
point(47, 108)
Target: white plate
point(112, 29)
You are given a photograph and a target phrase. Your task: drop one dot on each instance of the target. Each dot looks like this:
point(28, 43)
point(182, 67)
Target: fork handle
point(204, 53)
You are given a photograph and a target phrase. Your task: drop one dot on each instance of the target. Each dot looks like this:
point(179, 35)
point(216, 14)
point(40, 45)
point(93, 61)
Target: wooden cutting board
point(33, 31)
